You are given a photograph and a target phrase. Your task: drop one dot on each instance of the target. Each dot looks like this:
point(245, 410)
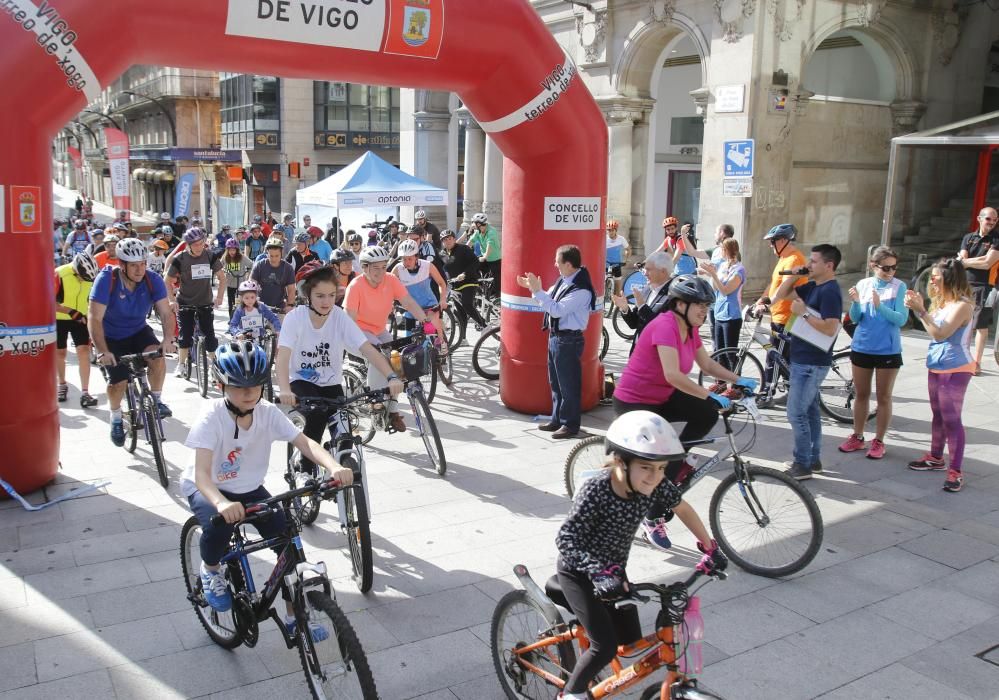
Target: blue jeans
point(565, 374)
point(215, 538)
point(803, 412)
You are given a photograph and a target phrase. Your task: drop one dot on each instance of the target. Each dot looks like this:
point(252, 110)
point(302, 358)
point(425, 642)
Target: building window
point(250, 111)
point(364, 116)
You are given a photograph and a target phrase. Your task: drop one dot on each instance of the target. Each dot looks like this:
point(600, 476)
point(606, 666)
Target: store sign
point(353, 25)
point(266, 139)
point(325, 139)
point(730, 99)
point(366, 139)
point(572, 214)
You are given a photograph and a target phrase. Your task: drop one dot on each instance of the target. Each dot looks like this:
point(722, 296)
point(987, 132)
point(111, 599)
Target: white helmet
point(373, 254)
point(645, 435)
point(480, 218)
point(132, 250)
point(111, 238)
point(407, 247)
point(249, 286)
point(85, 266)
point(420, 215)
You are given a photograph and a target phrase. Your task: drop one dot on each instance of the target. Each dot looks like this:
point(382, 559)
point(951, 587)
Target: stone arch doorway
point(656, 127)
point(516, 80)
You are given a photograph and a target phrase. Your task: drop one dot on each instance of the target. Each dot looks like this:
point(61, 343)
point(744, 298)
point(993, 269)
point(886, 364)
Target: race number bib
point(201, 272)
point(252, 323)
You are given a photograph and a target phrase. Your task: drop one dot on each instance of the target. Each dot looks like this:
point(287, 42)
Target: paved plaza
point(902, 601)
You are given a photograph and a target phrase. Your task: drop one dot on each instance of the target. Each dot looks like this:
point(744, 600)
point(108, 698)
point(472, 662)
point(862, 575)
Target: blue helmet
point(241, 364)
point(779, 231)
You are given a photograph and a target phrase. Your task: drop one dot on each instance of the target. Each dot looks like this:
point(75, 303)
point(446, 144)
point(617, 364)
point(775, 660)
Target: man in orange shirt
point(789, 259)
point(369, 301)
point(108, 255)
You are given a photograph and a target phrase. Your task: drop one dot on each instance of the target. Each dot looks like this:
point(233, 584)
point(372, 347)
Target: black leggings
point(230, 293)
point(700, 416)
point(315, 421)
point(185, 320)
point(596, 618)
point(467, 309)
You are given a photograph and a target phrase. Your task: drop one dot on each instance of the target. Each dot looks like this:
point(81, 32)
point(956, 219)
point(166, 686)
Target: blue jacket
point(236, 323)
point(878, 329)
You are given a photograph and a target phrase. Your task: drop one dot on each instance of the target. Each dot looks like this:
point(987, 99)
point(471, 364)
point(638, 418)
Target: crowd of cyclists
point(326, 293)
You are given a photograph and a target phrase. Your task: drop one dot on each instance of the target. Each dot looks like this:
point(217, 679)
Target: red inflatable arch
point(497, 56)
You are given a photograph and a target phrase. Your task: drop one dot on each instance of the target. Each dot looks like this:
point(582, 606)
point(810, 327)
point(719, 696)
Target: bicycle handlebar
point(635, 589)
point(313, 403)
point(263, 509)
point(151, 355)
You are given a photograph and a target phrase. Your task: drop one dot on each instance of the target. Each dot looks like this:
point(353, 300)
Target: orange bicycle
point(533, 648)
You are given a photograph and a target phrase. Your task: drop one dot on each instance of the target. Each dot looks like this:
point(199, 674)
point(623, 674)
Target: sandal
point(62, 391)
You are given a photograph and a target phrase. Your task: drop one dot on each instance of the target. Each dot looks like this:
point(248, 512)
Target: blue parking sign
point(739, 158)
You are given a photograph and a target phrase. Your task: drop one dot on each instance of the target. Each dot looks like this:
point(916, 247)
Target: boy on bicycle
point(232, 441)
point(595, 539)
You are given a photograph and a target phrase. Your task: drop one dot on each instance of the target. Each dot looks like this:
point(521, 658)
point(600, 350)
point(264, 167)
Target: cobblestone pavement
point(901, 602)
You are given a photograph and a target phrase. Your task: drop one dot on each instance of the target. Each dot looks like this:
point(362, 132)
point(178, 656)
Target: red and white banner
point(117, 145)
point(74, 154)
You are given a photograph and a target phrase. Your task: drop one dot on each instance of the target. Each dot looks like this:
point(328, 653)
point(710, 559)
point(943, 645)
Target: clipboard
point(803, 330)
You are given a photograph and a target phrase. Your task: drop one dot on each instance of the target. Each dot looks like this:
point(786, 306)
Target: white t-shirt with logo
point(317, 353)
point(239, 464)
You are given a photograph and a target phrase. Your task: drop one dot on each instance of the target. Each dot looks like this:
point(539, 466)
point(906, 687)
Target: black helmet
point(779, 231)
point(691, 289)
point(340, 255)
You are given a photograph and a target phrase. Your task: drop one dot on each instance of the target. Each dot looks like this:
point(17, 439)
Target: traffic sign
point(738, 158)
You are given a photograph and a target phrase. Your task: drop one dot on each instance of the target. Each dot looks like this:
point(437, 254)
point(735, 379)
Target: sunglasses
point(886, 268)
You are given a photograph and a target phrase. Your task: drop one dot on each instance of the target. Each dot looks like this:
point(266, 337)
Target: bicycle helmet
point(447, 233)
point(111, 238)
point(612, 223)
point(642, 435)
point(193, 235)
point(670, 221)
point(164, 216)
point(257, 218)
point(303, 237)
point(232, 243)
point(80, 224)
point(162, 245)
point(691, 289)
point(255, 227)
point(85, 266)
point(373, 254)
point(249, 286)
point(308, 270)
point(120, 227)
point(274, 242)
point(420, 215)
point(340, 255)
point(355, 238)
point(131, 250)
point(408, 248)
point(226, 227)
point(241, 364)
point(372, 233)
point(480, 218)
point(786, 231)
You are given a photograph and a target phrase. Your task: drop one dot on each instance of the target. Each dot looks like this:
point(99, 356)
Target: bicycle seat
point(553, 589)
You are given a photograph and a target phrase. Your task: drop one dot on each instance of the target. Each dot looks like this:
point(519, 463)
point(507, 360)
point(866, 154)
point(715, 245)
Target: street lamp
point(166, 112)
point(104, 115)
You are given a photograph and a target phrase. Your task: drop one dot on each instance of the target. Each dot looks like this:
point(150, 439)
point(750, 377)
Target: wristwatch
point(392, 376)
point(807, 314)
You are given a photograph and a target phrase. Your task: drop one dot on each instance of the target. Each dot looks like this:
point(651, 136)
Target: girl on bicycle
point(655, 379)
point(950, 363)
point(416, 274)
point(232, 442)
point(237, 266)
point(595, 539)
point(313, 338)
point(879, 311)
point(253, 316)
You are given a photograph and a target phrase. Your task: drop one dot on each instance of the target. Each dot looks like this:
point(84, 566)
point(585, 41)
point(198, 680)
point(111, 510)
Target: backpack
point(114, 280)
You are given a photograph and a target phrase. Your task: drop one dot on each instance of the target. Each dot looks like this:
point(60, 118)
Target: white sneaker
point(180, 370)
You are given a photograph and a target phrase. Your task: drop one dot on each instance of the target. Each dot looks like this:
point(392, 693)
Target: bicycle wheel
point(451, 326)
point(358, 531)
point(427, 426)
point(586, 458)
point(604, 342)
point(432, 378)
point(335, 667)
point(151, 417)
point(517, 622)
point(837, 394)
point(307, 508)
point(220, 626)
point(486, 353)
point(444, 367)
point(620, 327)
point(188, 368)
point(768, 524)
point(202, 368)
point(353, 384)
point(608, 296)
point(131, 418)
point(740, 361)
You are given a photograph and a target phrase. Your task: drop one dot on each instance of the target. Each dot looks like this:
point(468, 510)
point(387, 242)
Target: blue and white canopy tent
point(369, 188)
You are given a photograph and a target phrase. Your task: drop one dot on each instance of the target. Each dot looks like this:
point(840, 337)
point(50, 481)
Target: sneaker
point(180, 371)
point(656, 533)
point(319, 632)
point(853, 444)
point(216, 589)
point(398, 424)
point(877, 450)
point(928, 463)
point(799, 471)
point(61, 392)
point(87, 401)
point(118, 433)
point(954, 481)
point(814, 467)
point(163, 409)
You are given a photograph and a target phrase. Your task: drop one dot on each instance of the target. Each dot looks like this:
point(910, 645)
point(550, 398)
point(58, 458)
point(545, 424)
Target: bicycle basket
point(415, 361)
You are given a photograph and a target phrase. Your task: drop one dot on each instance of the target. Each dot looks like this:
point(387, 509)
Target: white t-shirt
point(317, 353)
point(239, 464)
point(615, 250)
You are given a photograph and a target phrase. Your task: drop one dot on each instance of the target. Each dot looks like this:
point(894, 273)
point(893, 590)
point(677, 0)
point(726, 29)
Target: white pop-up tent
point(370, 185)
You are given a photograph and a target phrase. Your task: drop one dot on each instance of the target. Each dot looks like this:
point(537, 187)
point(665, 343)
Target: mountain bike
point(412, 362)
point(334, 667)
point(345, 447)
point(197, 354)
point(268, 341)
point(140, 411)
point(765, 521)
point(486, 351)
point(836, 392)
point(533, 647)
point(405, 327)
